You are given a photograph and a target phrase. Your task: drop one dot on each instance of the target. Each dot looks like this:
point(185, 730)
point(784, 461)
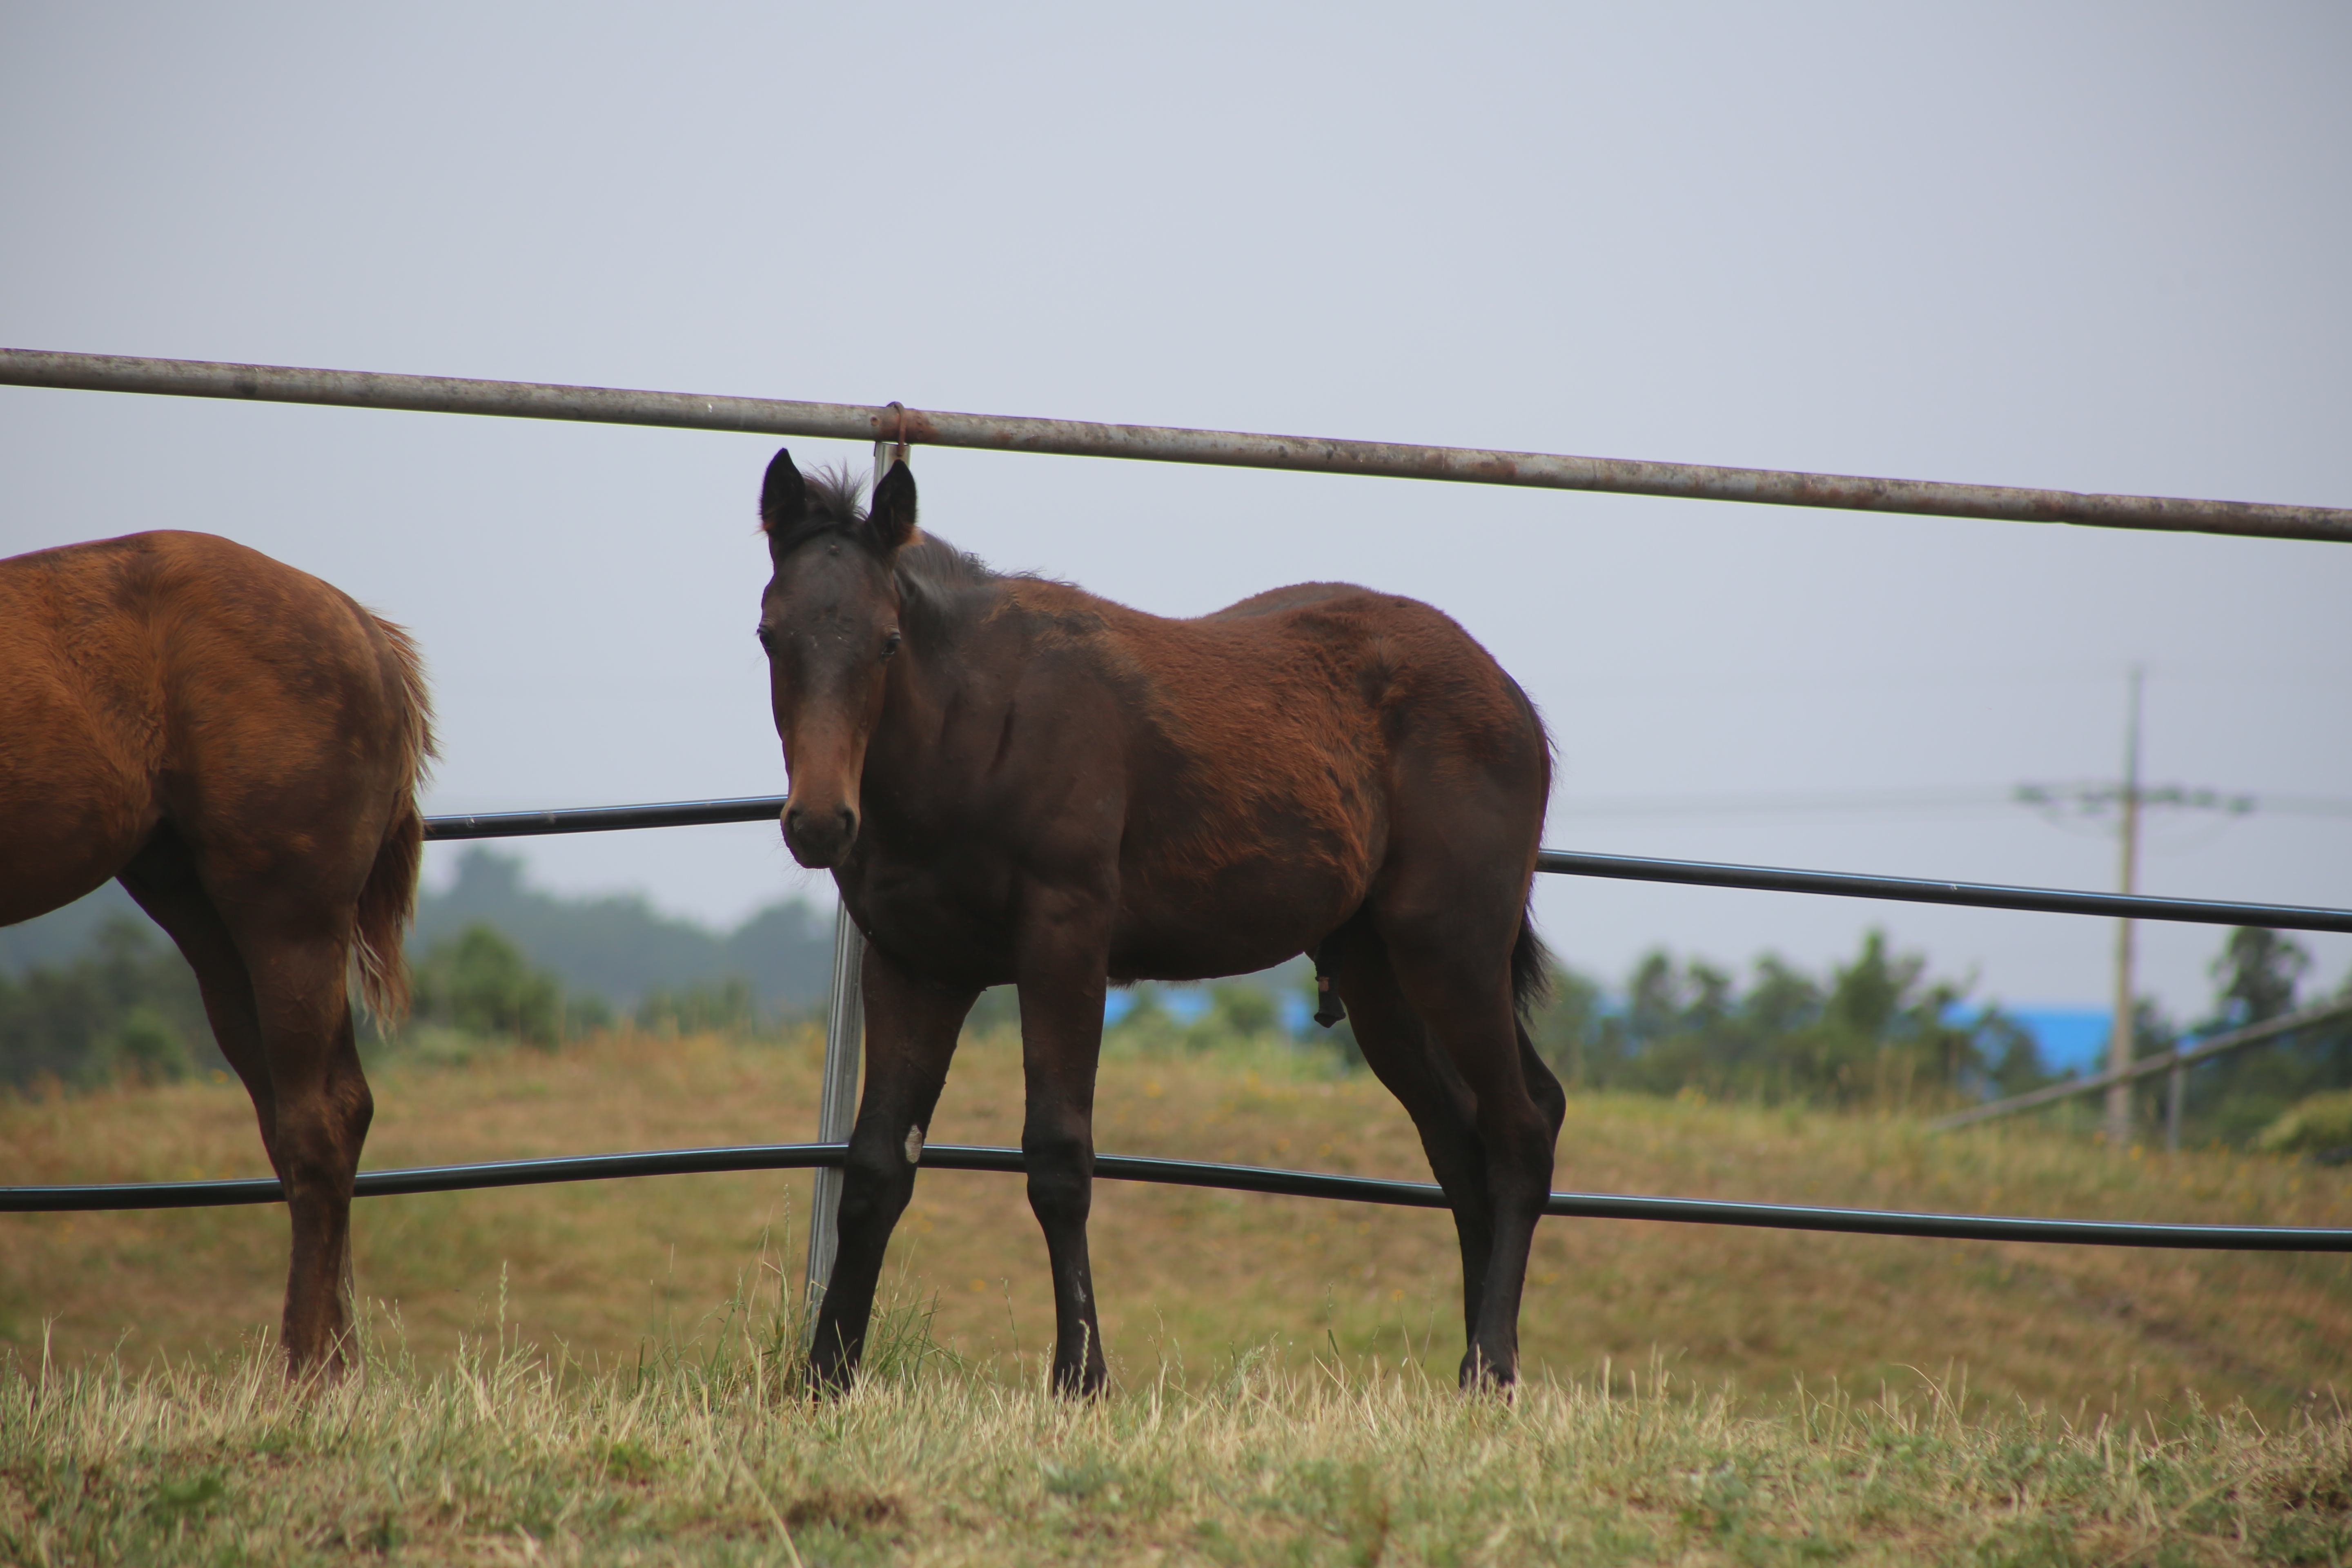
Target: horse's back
point(1293, 743)
point(1336, 667)
point(184, 676)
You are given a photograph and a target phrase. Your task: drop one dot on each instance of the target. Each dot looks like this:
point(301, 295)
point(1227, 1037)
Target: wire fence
point(893, 424)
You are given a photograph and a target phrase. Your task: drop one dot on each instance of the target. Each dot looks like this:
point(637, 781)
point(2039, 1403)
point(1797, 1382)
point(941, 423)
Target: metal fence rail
point(1160, 444)
point(1196, 1173)
point(1920, 890)
point(2172, 1062)
point(1560, 862)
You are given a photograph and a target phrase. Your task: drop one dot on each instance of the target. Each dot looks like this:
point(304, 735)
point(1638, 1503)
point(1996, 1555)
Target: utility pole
point(2119, 1033)
point(2130, 801)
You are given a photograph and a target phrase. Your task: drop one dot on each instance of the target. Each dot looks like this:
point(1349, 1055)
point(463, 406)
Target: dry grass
point(1191, 1280)
point(502, 1456)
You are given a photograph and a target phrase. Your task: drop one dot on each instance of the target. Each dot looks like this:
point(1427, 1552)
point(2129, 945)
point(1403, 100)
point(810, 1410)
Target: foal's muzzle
point(819, 838)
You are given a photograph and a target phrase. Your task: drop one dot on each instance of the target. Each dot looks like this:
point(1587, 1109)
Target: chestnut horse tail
point(390, 896)
point(1530, 969)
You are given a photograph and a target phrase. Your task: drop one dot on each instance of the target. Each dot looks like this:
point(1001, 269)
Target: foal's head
point(829, 621)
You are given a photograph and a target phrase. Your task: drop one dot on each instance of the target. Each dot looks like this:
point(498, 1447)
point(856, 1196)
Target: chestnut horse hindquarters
point(241, 745)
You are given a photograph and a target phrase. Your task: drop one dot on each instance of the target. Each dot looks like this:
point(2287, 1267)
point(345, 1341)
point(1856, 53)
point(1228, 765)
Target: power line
point(1932, 799)
point(1951, 798)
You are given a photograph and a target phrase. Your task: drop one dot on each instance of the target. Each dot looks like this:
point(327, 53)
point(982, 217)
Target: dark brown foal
point(240, 744)
point(1013, 781)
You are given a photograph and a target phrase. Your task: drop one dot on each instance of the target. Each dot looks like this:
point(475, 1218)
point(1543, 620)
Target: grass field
point(1188, 1279)
point(602, 1371)
point(500, 1456)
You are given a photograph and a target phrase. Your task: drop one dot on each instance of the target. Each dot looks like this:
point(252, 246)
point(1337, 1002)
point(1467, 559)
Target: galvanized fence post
point(845, 1030)
point(836, 1106)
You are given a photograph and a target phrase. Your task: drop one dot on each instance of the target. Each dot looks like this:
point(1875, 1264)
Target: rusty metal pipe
point(1227, 448)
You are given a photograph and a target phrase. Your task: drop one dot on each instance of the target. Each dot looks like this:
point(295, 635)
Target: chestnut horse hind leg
point(162, 877)
point(300, 960)
point(273, 973)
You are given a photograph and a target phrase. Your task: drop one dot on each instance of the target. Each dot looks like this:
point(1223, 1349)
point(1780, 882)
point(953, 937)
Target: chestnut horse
point(240, 744)
point(1014, 781)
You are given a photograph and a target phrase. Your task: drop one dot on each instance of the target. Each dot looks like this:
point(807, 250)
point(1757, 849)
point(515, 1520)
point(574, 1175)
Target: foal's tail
point(390, 896)
point(1530, 969)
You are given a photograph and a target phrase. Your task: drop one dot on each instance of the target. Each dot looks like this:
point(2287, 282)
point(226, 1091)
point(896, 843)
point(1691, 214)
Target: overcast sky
point(2103, 247)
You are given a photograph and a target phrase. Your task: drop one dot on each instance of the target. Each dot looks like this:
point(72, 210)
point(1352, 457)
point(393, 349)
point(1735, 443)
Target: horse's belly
point(1232, 918)
point(1237, 919)
point(75, 800)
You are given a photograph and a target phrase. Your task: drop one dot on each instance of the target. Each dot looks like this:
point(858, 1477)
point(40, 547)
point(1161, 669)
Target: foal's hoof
point(1480, 1376)
point(315, 1374)
point(1073, 1383)
point(823, 1383)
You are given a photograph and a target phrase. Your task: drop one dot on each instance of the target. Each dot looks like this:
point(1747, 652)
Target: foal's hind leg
point(1456, 973)
point(1543, 1085)
point(1405, 1060)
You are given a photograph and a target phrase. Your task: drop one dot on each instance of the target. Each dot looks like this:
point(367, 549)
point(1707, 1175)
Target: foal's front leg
point(911, 1025)
point(1061, 1040)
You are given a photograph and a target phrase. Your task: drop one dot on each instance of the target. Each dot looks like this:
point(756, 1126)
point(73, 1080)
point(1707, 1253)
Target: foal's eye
point(765, 640)
point(889, 644)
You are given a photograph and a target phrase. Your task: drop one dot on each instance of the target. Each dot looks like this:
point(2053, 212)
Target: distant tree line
point(616, 946)
point(619, 947)
point(1881, 1031)
point(93, 992)
point(2233, 1097)
point(1878, 1030)
point(127, 1006)
point(479, 984)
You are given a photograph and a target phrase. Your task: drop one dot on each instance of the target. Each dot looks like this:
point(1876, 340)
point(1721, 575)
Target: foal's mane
point(929, 570)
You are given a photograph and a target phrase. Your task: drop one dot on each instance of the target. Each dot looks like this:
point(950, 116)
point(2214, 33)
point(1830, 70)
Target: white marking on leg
point(914, 1145)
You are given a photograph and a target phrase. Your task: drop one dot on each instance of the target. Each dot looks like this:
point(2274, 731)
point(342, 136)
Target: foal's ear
point(891, 517)
point(783, 497)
